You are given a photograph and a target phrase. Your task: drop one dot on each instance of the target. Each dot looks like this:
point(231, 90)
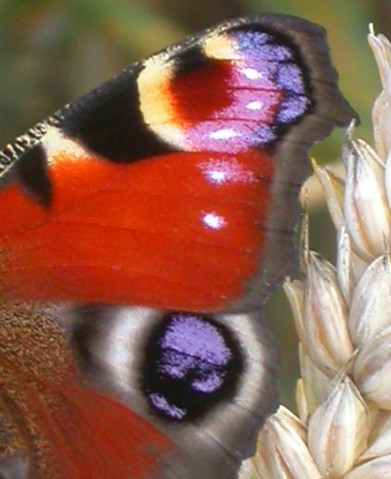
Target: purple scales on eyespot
point(192, 354)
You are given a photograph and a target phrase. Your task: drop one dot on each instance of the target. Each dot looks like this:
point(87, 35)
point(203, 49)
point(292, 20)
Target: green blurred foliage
point(53, 51)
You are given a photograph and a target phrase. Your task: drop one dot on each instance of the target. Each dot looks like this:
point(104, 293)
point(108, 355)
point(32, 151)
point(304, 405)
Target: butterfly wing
point(52, 425)
point(206, 381)
point(159, 391)
point(174, 185)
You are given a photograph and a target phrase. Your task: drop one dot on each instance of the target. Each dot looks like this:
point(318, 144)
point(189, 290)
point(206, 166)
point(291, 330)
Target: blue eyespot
point(191, 363)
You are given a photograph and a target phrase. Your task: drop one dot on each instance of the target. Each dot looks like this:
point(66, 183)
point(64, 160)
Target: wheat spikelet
point(342, 314)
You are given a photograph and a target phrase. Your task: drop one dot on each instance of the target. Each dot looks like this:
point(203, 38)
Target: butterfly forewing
point(175, 185)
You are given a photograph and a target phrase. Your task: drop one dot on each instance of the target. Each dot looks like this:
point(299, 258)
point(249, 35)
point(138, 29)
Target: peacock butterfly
point(163, 204)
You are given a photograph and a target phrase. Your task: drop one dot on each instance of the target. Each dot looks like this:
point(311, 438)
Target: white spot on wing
point(255, 105)
point(224, 134)
point(252, 73)
point(220, 171)
point(217, 176)
point(214, 221)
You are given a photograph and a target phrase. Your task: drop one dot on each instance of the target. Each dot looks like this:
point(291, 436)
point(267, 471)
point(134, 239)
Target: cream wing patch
point(220, 47)
point(156, 101)
point(56, 144)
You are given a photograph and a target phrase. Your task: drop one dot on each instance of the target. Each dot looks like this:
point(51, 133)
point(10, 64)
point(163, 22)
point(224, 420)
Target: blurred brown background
point(53, 51)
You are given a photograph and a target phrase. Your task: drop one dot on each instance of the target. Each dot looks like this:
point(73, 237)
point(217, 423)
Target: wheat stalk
point(342, 314)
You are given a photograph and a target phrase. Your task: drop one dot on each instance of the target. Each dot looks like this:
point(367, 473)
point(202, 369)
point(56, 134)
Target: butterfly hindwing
point(206, 381)
point(52, 425)
point(131, 392)
point(174, 185)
